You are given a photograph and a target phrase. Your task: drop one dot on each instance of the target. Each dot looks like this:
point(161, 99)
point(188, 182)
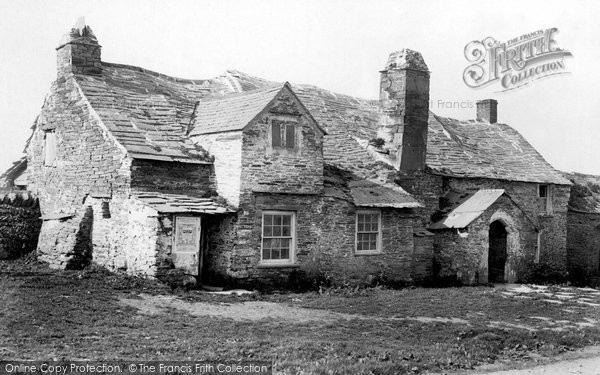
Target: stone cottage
point(142, 172)
point(241, 179)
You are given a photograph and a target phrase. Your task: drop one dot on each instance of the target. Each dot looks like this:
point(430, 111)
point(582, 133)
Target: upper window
point(278, 237)
point(368, 232)
point(283, 134)
point(49, 148)
point(544, 199)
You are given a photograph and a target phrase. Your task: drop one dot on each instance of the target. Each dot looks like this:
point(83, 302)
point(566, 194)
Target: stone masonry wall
point(466, 258)
point(227, 151)
point(282, 170)
point(173, 177)
point(583, 244)
point(325, 233)
point(88, 161)
point(19, 224)
point(553, 226)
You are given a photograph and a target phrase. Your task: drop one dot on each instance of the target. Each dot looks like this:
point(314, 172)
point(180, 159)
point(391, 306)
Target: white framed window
point(544, 199)
point(368, 232)
point(278, 237)
point(49, 148)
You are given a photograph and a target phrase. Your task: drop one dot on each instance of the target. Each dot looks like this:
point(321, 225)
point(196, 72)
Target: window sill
point(278, 265)
point(370, 253)
point(545, 214)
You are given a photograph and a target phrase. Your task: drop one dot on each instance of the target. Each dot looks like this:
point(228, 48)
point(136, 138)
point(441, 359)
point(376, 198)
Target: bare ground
point(93, 314)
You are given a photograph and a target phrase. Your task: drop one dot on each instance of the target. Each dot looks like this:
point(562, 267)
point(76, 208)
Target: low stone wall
point(19, 224)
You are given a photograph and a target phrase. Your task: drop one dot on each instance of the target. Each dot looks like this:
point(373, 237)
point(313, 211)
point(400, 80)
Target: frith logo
point(515, 63)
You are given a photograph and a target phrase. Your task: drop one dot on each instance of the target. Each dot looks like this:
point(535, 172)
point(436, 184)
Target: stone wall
point(465, 257)
point(174, 177)
point(553, 225)
point(227, 151)
point(325, 247)
point(88, 162)
point(19, 224)
point(278, 169)
point(583, 244)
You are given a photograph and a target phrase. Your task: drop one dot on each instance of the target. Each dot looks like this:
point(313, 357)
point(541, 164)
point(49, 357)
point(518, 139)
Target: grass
point(76, 315)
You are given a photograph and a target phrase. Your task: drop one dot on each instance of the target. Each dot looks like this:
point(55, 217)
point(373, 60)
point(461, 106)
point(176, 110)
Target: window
point(278, 237)
point(49, 148)
point(544, 199)
point(368, 232)
point(283, 134)
point(105, 206)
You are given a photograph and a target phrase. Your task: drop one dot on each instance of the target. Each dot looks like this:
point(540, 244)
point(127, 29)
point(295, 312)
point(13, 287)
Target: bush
point(541, 273)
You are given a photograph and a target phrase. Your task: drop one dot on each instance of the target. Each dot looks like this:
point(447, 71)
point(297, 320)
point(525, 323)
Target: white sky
point(338, 45)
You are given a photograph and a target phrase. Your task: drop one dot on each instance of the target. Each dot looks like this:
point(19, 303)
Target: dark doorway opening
point(497, 252)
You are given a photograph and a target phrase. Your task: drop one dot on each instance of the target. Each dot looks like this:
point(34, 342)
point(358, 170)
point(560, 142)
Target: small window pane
point(290, 136)
point(276, 134)
point(268, 231)
point(268, 219)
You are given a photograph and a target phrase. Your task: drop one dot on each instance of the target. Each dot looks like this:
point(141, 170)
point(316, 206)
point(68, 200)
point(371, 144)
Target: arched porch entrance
point(497, 253)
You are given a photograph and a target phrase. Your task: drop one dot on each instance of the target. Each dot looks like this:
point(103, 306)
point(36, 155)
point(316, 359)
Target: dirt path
point(582, 362)
point(255, 310)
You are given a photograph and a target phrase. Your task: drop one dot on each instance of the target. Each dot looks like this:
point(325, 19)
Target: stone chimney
point(487, 110)
point(79, 51)
point(404, 98)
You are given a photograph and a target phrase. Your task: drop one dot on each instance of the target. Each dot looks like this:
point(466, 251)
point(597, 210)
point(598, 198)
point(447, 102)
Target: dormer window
point(49, 148)
point(283, 133)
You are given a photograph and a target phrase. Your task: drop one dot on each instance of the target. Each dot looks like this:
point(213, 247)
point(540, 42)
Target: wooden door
point(186, 244)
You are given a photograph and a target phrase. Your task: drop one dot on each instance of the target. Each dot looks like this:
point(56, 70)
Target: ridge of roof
point(154, 73)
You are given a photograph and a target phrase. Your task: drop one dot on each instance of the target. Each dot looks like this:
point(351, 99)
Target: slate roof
point(231, 112)
point(454, 148)
point(480, 149)
point(178, 203)
point(345, 185)
point(150, 114)
point(469, 209)
point(147, 112)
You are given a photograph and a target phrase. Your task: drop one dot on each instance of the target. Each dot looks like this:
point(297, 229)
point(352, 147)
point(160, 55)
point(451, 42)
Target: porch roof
point(469, 210)
point(179, 203)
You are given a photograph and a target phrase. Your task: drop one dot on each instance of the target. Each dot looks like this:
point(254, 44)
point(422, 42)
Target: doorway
point(497, 252)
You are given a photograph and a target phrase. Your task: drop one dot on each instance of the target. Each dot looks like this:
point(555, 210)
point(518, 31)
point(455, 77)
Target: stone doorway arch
point(497, 252)
point(512, 247)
